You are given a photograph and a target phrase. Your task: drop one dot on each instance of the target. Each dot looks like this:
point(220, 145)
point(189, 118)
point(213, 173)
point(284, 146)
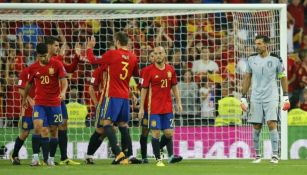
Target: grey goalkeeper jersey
point(265, 73)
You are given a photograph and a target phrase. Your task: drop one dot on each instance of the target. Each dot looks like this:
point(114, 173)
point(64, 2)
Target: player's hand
point(25, 103)
point(141, 113)
point(244, 104)
point(78, 49)
point(179, 108)
point(62, 96)
point(30, 101)
point(91, 42)
point(285, 103)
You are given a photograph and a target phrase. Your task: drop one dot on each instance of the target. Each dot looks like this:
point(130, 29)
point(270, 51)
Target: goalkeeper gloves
point(244, 104)
point(285, 103)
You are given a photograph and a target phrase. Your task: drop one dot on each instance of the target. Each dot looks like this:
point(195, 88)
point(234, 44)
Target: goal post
point(187, 31)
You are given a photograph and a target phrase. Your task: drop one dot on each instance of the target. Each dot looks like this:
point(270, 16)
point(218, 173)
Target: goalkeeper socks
point(63, 143)
point(169, 146)
point(36, 140)
point(45, 147)
point(143, 143)
point(94, 143)
point(156, 148)
point(256, 134)
point(126, 141)
point(274, 141)
point(17, 146)
point(53, 146)
point(112, 139)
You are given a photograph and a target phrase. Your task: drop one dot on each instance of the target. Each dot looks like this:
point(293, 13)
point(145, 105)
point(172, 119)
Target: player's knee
point(145, 132)
point(53, 131)
point(155, 134)
point(44, 132)
point(257, 126)
point(272, 125)
point(100, 131)
point(123, 124)
point(24, 134)
point(107, 123)
point(168, 134)
point(63, 126)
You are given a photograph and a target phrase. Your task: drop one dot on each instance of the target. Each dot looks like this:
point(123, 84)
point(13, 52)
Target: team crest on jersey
point(35, 114)
point(51, 70)
point(169, 74)
point(145, 121)
point(157, 76)
point(153, 123)
point(25, 125)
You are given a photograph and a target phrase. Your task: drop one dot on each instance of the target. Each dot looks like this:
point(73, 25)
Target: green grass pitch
point(187, 167)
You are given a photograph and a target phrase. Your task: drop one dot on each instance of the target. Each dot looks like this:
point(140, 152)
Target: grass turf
point(187, 167)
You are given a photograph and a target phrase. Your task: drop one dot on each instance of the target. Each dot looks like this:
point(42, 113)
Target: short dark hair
point(49, 40)
point(41, 48)
point(122, 37)
point(264, 38)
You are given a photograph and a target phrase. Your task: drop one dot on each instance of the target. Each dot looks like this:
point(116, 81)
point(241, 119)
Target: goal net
point(207, 44)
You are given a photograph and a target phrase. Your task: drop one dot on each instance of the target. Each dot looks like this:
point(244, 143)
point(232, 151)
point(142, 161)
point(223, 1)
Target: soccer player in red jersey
point(26, 121)
point(144, 121)
point(97, 84)
point(121, 65)
point(58, 54)
point(159, 80)
point(51, 85)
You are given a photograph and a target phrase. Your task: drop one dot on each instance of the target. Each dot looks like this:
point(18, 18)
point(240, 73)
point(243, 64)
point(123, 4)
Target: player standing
point(121, 65)
point(61, 138)
point(263, 71)
point(51, 85)
point(26, 114)
point(159, 80)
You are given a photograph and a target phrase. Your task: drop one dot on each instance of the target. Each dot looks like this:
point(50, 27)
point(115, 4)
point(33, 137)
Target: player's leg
point(111, 109)
point(126, 142)
point(39, 124)
point(256, 119)
point(26, 126)
point(53, 143)
point(167, 125)
point(155, 126)
point(271, 116)
point(94, 143)
point(55, 118)
point(144, 137)
point(63, 139)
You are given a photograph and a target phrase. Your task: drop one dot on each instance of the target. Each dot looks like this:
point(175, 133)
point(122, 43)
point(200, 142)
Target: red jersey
point(121, 65)
point(97, 80)
point(22, 82)
point(46, 79)
point(70, 68)
point(159, 83)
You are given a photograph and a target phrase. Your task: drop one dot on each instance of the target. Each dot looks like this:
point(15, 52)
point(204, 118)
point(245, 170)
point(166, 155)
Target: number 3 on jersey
point(124, 75)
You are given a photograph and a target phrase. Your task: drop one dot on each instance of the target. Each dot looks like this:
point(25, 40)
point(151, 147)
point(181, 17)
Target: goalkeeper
point(263, 71)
